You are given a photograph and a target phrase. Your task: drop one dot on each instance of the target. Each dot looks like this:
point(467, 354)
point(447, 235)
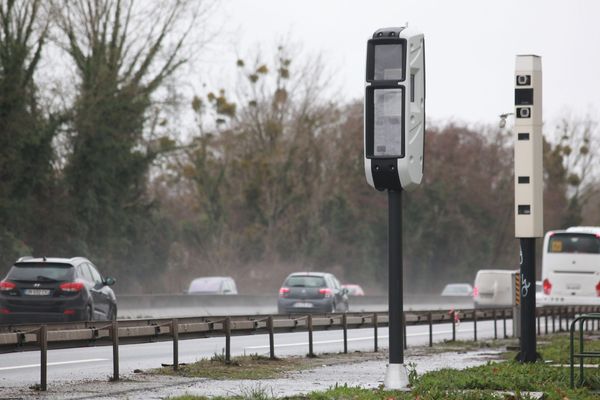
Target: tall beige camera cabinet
point(529, 179)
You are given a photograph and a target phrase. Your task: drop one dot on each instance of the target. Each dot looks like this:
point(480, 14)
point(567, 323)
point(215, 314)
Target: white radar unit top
point(529, 178)
point(394, 122)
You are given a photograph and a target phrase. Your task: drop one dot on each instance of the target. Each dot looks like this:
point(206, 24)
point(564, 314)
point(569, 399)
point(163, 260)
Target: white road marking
point(54, 363)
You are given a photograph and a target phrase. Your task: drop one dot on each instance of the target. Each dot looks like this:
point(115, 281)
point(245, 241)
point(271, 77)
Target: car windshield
point(574, 243)
point(305, 281)
point(40, 272)
point(206, 285)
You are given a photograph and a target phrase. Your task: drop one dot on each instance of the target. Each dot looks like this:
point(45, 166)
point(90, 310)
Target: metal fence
point(113, 333)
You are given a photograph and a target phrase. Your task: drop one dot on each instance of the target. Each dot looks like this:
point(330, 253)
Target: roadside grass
point(485, 382)
point(252, 367)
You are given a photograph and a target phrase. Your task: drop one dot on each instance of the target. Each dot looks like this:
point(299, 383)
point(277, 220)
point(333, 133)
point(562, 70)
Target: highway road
point(95, 363)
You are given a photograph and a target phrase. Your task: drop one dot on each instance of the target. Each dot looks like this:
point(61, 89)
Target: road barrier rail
point(95, 333)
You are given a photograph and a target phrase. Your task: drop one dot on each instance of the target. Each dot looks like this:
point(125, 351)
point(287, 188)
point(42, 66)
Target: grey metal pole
point(270, 326)
point(375, 333)
point(114, 332)
point(175, 334)
point(43, 341)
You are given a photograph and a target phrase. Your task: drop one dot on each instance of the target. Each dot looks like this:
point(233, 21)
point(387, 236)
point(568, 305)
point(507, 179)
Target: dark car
point(55, 290)
point(303, 292)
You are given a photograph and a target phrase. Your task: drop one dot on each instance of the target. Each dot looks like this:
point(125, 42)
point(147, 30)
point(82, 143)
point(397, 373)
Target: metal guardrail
point(582, 354)
point(83, 334)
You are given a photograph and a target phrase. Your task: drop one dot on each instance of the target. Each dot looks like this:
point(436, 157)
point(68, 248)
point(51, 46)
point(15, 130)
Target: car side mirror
point(109, 281)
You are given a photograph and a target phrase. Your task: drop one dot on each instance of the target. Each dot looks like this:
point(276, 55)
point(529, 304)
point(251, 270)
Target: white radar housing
point(529, 179)
point(394, 124)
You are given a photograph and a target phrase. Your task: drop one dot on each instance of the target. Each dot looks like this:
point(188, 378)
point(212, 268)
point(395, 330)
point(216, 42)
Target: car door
point(101, 295)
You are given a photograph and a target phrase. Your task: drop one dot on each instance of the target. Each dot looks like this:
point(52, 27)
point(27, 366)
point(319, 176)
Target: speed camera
point(529, 179)
point(394, 125)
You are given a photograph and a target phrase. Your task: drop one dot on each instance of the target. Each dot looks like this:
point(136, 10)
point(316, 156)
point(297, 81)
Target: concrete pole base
point(396, 377)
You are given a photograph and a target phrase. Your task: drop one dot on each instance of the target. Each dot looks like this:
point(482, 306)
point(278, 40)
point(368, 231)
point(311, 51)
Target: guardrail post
point(587, 325)
point(404, 329)
point(345, 328)
point(43, 341)
point(270, 327)
point(309, 324)
point(474, 325)
point(539, 322)
point(495, 324)
point(375, 344)
point(114, 333)
point(560, 317)
point(430, 321)
point(545, 320)
point(504, 324)
point(453, 318)
point(227, 326)
point(553, 320)
point(175, 334)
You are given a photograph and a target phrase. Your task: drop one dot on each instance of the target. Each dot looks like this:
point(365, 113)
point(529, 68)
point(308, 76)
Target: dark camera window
point(523, 80)
point(523, 97)
point(388, 107)
point(523, 112)
point(389, 62)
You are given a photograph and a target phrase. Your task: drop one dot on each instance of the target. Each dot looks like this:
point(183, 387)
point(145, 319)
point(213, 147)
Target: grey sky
point(471, 47)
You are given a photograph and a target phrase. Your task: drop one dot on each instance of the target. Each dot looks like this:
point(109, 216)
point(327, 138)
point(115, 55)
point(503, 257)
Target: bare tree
point(578, 142)
point(123, 52)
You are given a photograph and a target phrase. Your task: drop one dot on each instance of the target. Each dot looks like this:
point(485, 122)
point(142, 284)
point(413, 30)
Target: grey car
point(314, 292)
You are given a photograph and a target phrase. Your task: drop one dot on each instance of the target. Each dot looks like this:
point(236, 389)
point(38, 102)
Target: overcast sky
point(470, 47)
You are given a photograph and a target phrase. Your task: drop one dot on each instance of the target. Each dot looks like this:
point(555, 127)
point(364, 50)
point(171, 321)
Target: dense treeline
point(270, 181)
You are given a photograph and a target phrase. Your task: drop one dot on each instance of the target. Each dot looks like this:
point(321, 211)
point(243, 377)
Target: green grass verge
point(253, 367)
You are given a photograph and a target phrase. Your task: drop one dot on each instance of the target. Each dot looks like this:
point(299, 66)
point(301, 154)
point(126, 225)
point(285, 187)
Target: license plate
point(303, 305)
point(37, 292)
point(573, 286)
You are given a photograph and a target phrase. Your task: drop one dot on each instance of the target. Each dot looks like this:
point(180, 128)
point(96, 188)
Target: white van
point(571, 266)
point(494, 288)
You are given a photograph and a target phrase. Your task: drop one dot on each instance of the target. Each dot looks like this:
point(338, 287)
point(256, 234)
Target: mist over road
point(182, 305)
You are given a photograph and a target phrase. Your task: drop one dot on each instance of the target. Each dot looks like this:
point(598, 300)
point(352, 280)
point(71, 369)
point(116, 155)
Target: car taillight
point(6, 286)
point(547, 286)
point(326, 292)
point(598, 289)
point(71, 287)
point(475, 291)
point(69, 312)
point(4, 311)
point(284, 291)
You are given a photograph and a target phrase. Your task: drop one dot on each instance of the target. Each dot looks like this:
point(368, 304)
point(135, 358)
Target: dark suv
point(55, 290)
point(312, 292)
